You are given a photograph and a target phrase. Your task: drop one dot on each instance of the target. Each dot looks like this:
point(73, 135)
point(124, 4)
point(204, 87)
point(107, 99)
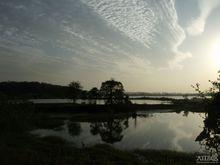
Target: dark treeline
point(36, 90)
point(29, 90)
point(111, 90)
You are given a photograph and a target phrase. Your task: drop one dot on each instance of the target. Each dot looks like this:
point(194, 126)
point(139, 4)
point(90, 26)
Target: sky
point(148, 45)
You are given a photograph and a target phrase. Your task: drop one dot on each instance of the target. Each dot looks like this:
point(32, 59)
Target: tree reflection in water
point(210, 136)
point(110, 130)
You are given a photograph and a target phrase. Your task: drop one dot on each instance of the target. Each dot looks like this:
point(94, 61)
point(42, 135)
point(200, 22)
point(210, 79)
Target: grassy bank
point(91, 108)
point(26, 150)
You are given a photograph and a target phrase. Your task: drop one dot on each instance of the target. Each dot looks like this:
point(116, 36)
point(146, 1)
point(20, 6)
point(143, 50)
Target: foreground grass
point(26, 150)
point(155, 157)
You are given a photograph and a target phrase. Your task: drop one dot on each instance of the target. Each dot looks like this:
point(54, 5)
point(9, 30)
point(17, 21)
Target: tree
point(214, 91)
point(113, 92)
point(209, 137)
point(75, 89)
point(94, 93)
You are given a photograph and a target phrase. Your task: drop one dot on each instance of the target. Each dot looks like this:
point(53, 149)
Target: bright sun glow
point(216, 53)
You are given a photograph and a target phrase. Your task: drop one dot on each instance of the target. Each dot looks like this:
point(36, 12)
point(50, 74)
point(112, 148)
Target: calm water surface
point(134, 100)
point(100, 102)
point(149, 130)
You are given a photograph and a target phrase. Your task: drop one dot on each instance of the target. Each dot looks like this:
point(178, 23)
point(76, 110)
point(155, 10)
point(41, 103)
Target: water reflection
point(109, 131)
point(209, 138)
point(154, 130)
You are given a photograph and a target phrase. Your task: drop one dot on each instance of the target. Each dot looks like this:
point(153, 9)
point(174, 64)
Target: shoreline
point(94, 108)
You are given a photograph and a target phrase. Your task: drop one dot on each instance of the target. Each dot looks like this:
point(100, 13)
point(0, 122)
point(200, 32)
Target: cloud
point(176, 36)
point(118, 37)
point(135, 65)
point(175, 63)
point(197, 25)
point(179, 57)
point(146, 21)
point(134, 18)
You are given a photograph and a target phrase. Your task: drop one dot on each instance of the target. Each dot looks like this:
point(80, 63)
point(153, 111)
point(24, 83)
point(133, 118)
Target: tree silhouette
point(113, 92)
point(31, 90)
point(75, 89)
point(215, 91)
point(94, 93)
point(210, 136)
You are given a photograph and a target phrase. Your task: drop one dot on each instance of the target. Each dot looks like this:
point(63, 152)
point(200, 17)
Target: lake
point(98, 101)
point(147, 130)
point(166, 96)
point(134, 100)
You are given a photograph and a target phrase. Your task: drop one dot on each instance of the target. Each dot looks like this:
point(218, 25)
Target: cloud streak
point(197, 25)
point(133, 17)
point(178, 36)
point(145, 22)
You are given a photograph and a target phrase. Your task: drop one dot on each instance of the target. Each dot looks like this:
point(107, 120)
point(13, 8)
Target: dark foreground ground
point(19, 147)
point(29, 150)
